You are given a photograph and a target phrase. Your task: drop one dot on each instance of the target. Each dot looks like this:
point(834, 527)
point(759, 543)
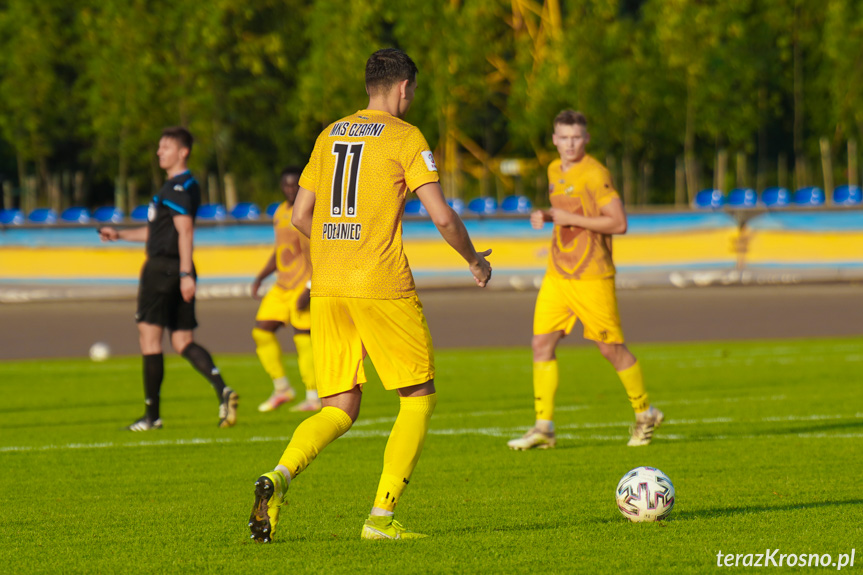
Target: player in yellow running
point(286, 302)
point(579, 282)
point(364, 301)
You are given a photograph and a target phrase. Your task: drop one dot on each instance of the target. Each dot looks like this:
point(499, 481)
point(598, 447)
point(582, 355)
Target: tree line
point(680, 94)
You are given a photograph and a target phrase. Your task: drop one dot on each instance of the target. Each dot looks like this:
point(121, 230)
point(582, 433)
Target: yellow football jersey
point(360, 171)
point(292, 250)
point(585, 189)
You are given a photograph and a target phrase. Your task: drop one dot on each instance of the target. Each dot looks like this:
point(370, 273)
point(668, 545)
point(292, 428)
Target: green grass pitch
point(762, 440)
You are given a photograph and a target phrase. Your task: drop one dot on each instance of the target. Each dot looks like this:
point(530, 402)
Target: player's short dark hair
point(181, 135)
point(570, 118)
point(291, 170)
point(387, 67)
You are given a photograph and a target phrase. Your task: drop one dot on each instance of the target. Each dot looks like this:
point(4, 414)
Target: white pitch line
point(484, 431)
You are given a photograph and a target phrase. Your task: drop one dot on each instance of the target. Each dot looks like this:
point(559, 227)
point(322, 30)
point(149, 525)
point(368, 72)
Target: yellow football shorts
point(562, 302)
point(393, 332)
point(280, 304)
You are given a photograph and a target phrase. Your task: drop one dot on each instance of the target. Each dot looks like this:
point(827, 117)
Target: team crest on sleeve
point(429, 160)
point(178, 188)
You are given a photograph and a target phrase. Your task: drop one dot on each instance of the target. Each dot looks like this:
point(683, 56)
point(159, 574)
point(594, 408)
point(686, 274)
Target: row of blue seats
point(242, 211)
point(110, 214)
point(478, 206)
point(777, 197)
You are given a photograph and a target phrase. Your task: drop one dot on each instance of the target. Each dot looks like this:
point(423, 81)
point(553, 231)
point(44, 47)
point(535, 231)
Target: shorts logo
point(429, 160)
point(603, 335)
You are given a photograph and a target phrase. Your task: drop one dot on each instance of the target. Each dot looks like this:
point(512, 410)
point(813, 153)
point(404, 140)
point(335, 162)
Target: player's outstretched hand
point(108, 234)
point(537, 219)
point(481, 270)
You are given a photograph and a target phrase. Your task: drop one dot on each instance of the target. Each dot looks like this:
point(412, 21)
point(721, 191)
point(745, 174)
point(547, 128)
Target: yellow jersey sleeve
point(418, 161)
point(311, 173)
point(600, 184)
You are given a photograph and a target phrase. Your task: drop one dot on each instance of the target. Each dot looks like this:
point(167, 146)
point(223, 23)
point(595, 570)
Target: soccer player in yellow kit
point(286, 302)
point(364, 301)
point(579, 282)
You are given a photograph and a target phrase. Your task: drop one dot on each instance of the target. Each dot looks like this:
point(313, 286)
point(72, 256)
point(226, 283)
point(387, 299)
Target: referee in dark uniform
point(166, 294)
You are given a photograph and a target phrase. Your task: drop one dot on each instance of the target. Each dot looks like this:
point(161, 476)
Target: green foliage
point(88, 84)
point(759, 442)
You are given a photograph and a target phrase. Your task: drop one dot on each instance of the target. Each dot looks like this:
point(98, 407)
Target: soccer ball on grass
point(100, 351)
point(645, 494)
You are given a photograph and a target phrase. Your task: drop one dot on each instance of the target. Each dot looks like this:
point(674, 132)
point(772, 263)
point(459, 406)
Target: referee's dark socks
point(202, 361)
point(154, 371)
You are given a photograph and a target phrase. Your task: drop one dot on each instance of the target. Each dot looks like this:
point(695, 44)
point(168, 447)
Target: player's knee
point(613, 352)
point(543, 348)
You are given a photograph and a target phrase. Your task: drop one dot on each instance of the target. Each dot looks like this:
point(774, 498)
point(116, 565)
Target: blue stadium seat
point(246, 211)
point(456, 204)
point(415, 208)
point(846, 195)
point(212, 213)
point(11, 217)
point(482, 206)
point(139, 214)
point(516, 205)
point(108, 214)
point(75, 215)
point(809, 196)
point(776, 197)
point(43, 216)
point(742, 198)
point(709, 199)
point(271, 209)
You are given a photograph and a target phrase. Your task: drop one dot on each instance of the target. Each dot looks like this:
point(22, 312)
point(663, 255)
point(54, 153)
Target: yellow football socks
point(403, 448)
point(545, 380)
point(269, 352)
point(306, 360)
point(312, 435)
point(633, 381)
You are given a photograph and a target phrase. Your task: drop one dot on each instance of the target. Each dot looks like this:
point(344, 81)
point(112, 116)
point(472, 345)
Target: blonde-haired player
point(364, 301)
point(579, 282)
point(287, 302)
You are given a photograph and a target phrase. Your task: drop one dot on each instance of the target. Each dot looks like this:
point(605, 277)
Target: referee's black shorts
point(159, 299)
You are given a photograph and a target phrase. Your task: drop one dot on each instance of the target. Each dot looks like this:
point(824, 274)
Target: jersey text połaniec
point(360, 171)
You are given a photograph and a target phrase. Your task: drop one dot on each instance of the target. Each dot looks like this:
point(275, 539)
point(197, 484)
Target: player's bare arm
point(186, 232)
point(265, 272)
point(453, 231)
point(304, 209)
point(109, 234)
point(612, 219)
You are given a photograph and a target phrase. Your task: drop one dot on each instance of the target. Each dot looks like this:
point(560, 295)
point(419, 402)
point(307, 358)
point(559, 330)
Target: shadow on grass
point(737, 511)
point(855, 424)
point(714, 513)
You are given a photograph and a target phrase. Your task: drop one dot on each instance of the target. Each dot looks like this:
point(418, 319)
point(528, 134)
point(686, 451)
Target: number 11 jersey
point(361, 170)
